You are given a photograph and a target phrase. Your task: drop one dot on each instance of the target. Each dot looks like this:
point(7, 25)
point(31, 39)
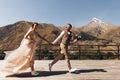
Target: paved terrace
point(87, 70)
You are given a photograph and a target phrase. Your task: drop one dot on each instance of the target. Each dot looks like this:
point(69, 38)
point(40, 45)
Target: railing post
point(79, 51)
point(118, 46)
point(39, 52)
point(99, 53)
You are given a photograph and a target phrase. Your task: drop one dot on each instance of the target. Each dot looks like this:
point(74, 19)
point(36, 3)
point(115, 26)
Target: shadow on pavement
point(47, 73)
point(92, 70)
point(41, 74)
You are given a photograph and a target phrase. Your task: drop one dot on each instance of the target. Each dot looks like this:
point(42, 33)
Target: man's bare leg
point(55, 60)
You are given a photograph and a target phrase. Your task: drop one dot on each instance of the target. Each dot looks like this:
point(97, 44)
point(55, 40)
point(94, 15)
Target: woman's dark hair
point(34, 24)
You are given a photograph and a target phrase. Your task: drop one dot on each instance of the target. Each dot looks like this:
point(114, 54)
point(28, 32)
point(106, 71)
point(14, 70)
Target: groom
point(66, 36)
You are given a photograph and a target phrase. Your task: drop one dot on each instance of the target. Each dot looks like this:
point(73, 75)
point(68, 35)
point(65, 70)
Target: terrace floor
point(86, 70)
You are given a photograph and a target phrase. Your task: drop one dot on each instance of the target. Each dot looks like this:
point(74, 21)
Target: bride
point(22, 58)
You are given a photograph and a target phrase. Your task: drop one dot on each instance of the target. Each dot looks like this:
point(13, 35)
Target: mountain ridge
point(12, 34)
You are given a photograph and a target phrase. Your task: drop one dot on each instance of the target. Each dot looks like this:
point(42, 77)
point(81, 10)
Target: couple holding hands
point(23, 57)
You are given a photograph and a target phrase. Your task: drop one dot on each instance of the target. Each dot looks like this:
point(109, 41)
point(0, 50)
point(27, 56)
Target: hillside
point(113, 35)
point(11, 35)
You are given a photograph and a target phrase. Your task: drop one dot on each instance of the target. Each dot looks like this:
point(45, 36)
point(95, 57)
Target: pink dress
point(21, 58)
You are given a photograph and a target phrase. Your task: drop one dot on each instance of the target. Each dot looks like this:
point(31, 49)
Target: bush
point(2, 55)
point(1, 51)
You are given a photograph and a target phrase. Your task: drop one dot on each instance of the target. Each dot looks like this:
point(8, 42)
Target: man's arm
point(73, 39)
point(58, 38)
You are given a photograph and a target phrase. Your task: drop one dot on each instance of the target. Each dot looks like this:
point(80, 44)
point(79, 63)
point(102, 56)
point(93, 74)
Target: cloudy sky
point(59, 12)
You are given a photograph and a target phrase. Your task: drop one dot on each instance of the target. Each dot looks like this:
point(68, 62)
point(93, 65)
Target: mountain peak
point(95, 23)
point(98, 25)
point(96, 20)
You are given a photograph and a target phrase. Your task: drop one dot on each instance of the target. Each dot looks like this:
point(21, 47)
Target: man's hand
point(75, 40)
point(50, 43)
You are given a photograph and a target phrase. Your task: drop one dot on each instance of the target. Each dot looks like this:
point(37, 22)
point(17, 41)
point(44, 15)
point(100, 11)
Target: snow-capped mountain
point(98, 24)
point(97, 27)
point(96, 21)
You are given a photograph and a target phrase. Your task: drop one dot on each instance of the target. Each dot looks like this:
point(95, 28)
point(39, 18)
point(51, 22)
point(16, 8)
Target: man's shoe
point(72, 70)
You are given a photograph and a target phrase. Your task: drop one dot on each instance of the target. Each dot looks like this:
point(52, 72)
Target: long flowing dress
point(21, 58)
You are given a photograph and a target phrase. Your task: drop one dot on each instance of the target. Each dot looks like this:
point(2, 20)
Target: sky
point(59, 12)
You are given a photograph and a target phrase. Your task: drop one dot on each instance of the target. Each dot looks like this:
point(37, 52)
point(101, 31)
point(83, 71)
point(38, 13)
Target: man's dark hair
point(70, 24)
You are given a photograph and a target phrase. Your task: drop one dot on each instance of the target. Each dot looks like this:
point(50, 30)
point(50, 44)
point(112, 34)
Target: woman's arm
point(26, 37)
point(43, 38)
point(29, 38)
